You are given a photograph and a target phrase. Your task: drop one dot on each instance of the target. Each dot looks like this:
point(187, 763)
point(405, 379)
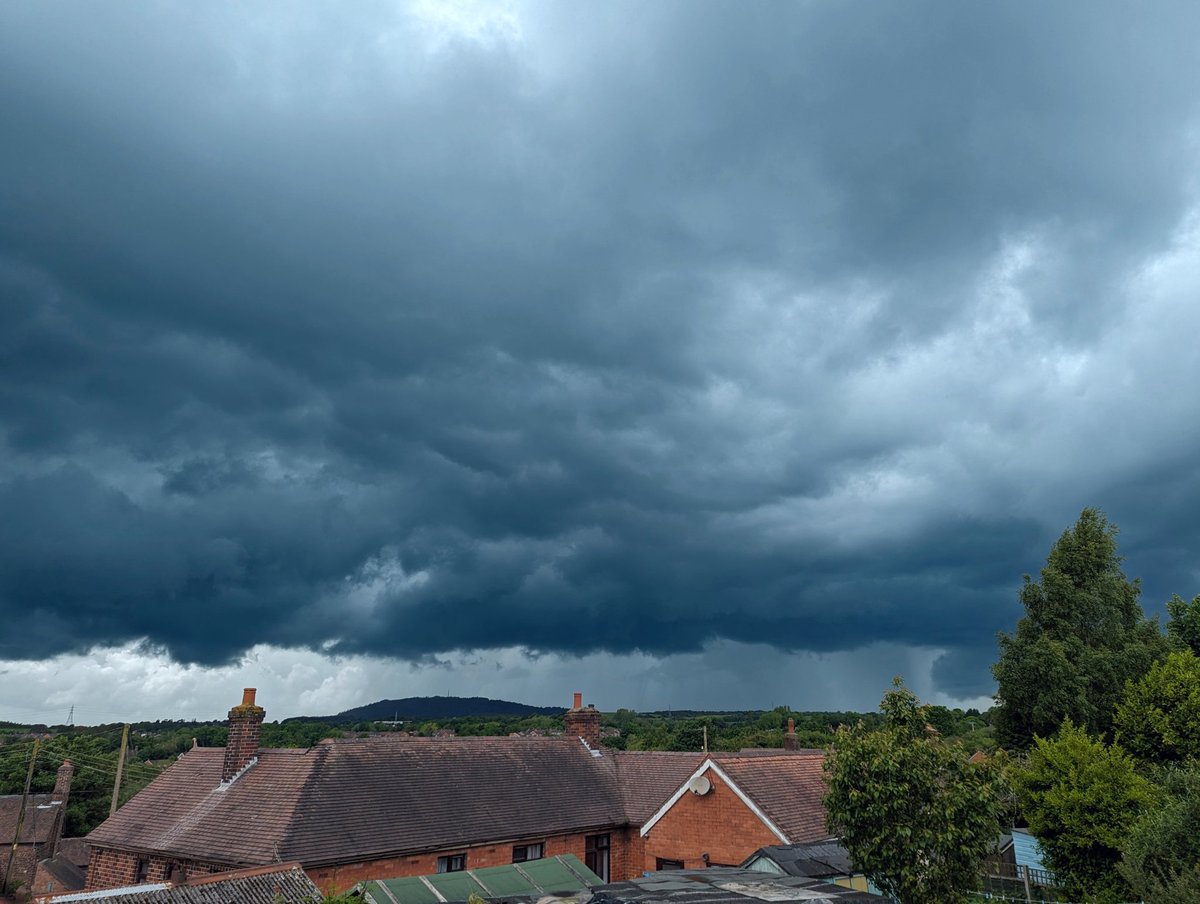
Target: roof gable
point(710, 766)
point(785, 792)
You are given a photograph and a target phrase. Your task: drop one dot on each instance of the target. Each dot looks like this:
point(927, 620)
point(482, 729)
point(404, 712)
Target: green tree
point(1159, 718)
point(915, 814)
point(1083, 636)
point(1080, 797)
point(1184, 624)
point(1162, 853)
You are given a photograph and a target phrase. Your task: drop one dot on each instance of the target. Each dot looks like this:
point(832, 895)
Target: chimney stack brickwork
point(790, 741)
point(62, 781)
point(245, 725)
point(583, 722)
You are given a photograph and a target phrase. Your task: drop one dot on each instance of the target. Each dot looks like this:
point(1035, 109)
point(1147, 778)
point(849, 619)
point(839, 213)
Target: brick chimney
point(62, 790)
point(583, 722)
point(62, 781)
point(245, 722)
point(790, 741)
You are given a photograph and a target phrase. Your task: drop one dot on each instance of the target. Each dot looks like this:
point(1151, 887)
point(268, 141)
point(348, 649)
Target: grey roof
point(725, 885)
point(284, 883)
point(816, 860)
point(68, 874)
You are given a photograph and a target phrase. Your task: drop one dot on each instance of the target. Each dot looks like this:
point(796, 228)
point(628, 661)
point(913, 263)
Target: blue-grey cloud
point(400, 330)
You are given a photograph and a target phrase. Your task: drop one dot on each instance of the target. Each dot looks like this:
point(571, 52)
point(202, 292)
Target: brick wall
point(718, 824)
point(625, 859)
point(112, 869)
point(24, 864)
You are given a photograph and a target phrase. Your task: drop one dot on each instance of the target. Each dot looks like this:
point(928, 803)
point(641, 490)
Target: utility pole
point(37, 743)
point(120, 768)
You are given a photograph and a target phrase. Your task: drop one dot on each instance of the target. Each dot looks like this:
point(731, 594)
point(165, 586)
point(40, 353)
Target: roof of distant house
point(38, 824)
point(284, 883)
point(339, 801)
point(69, 875)
point(818, 859)
point(73, 849)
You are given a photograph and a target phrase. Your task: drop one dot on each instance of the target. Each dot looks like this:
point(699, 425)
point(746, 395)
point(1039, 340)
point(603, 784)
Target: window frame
point(597, 852)
point(452, 863)
point(524, 848)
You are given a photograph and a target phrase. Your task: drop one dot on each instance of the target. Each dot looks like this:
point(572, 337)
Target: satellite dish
point(700, 785)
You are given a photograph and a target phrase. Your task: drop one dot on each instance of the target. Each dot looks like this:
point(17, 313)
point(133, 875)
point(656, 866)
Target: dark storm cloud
point(620, 328)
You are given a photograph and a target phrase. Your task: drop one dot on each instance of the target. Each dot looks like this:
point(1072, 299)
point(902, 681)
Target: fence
point(1006, 881)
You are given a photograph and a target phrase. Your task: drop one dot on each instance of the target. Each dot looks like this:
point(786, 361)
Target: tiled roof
point(186, 811)
point(357, 799)
point(788, 788)
point(376, 796)
point(75, 850)
point(37, 824)
point(647, 778)
point(278, 884)
point(352, 799)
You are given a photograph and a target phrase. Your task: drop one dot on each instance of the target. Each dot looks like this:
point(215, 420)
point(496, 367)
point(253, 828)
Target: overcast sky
point(684, 354)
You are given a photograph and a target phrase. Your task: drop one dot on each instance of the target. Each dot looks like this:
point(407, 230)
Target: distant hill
point(423, 708)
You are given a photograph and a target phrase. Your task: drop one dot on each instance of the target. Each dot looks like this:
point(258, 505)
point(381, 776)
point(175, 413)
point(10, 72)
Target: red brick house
point(733, 805)
point(386, 807)
point(40, 823)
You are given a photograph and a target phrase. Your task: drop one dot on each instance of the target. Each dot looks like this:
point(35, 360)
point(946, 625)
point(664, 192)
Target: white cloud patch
point(132, 682)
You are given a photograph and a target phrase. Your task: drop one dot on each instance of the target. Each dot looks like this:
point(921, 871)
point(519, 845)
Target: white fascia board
point(742, 796)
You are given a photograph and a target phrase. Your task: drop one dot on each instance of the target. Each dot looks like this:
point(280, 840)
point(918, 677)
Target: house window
point(523, 852)
point(661, 864)
point(140, 869)
point(595, 855)
point(452, 863)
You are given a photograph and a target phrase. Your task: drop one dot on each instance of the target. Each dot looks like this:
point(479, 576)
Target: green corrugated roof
point(564, 873)
point(455, 886)
point(504, 881)
point(410, 891)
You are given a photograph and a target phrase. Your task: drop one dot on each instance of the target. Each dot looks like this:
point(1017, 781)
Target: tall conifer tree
point(1083, 635)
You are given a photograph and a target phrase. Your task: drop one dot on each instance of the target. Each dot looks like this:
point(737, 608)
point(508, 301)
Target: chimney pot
point(248, 696)
point(790, 741)
point(584, 722)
